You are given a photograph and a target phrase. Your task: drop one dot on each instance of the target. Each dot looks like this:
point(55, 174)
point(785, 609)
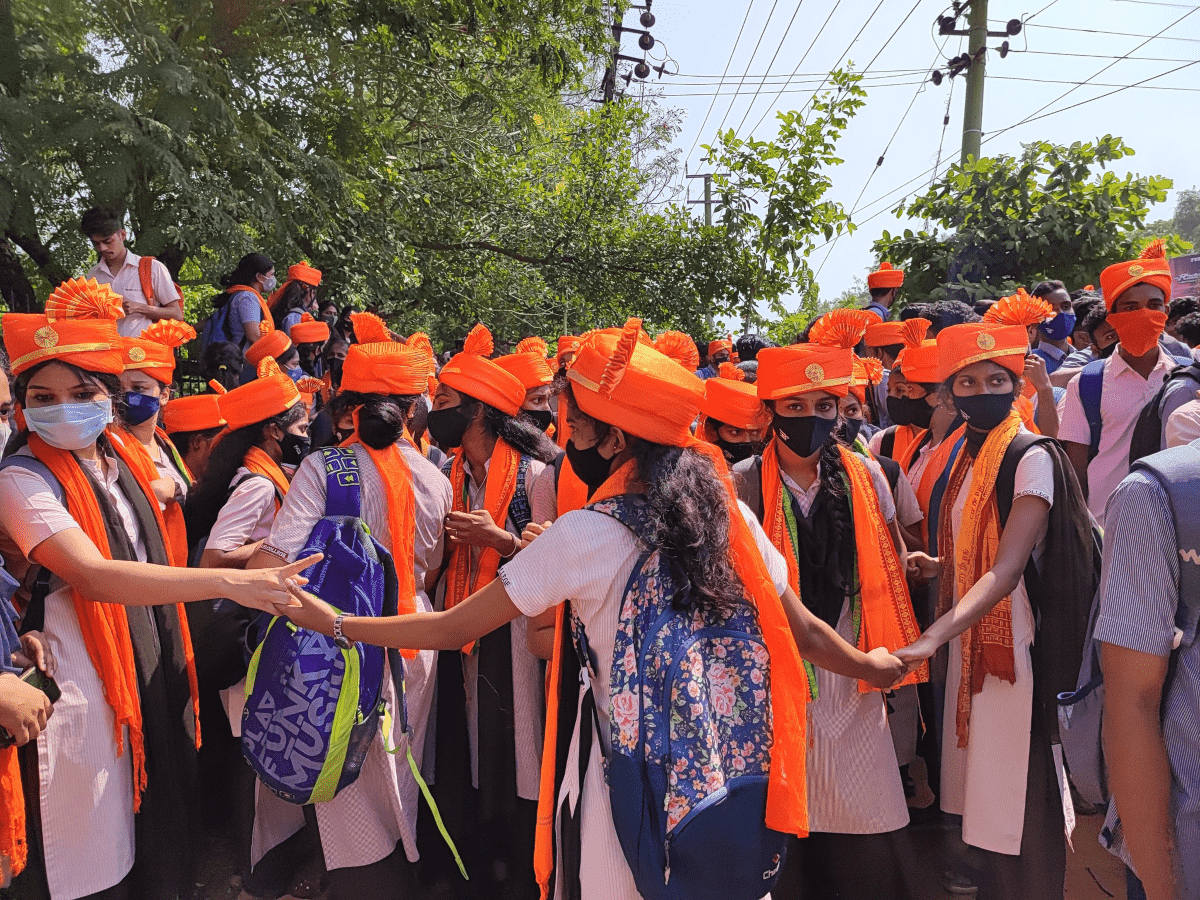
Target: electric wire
point(779, 47)
point(736, 41)
point(757, 44)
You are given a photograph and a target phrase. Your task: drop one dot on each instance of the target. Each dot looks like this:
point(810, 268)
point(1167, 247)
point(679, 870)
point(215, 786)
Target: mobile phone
point(43, 682)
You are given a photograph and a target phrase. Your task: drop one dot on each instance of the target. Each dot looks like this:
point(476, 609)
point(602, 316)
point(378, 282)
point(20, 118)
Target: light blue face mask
point(70, 426)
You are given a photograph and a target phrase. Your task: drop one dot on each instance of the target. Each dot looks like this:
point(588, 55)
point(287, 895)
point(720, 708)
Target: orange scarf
point(401, 511)
point(906, 437)
point(12, 811)
point(939, 459)
point(987, 646)
point(105, 626)
point(175, 534)
point(1024, 406)
point(887, 618)
point(268, 320)
point(787, 802)
point(572, 493)
point(501, 487)
point(257, 461)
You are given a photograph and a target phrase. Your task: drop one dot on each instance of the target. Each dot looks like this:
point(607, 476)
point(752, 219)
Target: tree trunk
point(17, 292)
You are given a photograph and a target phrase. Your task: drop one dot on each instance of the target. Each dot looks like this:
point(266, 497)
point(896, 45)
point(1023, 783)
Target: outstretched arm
point(824, 647)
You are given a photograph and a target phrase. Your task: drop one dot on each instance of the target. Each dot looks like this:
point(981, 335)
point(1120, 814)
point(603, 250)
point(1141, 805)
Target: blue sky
point(1161, 125)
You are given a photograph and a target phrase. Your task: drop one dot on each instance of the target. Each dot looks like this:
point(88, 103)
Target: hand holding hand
point(922, 566)
point(23, 709)
point(311, 612)
point(916, 653)
point(271, 590)
point(478, 529)
point(886, 669)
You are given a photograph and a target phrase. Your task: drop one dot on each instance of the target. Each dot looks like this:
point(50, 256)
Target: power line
point(742, 80)
point(684, 78)
point(700, 130)
point(667, 92)
point(750, 105)
point(1160, 36)
point(1040, 11)
point(1095, 56)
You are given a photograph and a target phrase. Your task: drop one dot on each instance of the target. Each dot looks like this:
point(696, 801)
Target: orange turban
point(720, 344)
point(629, 384)
point(79, 327)
point(921, 364)
point(885, 277)
point(271, 345)
point(960, 346)
point(568, 343)
point(733, 402)
point(1019, 309)
point(842, 328)
point(531, 369)
point(801, 368)
point(199, 412)
point(385, 367)
point(310, 331)
point(865, 373)
point(472, 373)
point(884, 334)
point(1149, 268)
point(301, 272)
point(533, 344)
point(680, 348)
point(268, 395)
point(153, 352)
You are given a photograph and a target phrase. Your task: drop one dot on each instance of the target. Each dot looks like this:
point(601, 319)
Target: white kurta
point(588, 556)
point(365, 821)
point(85, 787)
point(854, 782)
point(985, 782)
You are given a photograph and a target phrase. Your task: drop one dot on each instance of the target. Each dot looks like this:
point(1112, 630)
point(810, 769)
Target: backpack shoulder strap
point(558, 467)
point(146, 277)
point(38, 468)
point(747, 480)
point(1178, 471)
point(1091, 391)
point(631, 510)
point(518, 508)
point(887, 443)
point(343, 482)
point(1006, 478)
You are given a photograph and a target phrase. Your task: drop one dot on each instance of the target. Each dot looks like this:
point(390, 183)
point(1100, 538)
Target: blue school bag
point(689, 738)
point(313, 709)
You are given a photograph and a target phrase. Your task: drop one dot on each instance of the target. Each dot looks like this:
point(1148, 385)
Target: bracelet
point(516, 545)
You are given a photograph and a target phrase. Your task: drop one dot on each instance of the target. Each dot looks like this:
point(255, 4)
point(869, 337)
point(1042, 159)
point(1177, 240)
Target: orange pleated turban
point(270, 394)
point(301, 272)
point(720, 344)
point(802, 368)
point(310, 331)
point(199, 412)
point(885, 277)
point(568, 343)
point(921, 363)
point(530, 369)
point(472, 373)
point(1019, 309)
point(733, 402)
point(271, 345)
point(1151, 267)
point(960, 346)
point(680, 348)
point(620, 380)
point(78, 327)
point(153, 352)
point(385, 367)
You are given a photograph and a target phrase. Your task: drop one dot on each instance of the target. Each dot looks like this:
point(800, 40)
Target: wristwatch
point(338, 638)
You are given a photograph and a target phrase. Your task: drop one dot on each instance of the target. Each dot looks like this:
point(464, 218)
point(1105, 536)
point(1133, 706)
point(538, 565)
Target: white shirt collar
point(131, 259)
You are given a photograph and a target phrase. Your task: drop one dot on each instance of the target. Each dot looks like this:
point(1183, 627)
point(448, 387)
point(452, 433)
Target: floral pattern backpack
point(689, 736)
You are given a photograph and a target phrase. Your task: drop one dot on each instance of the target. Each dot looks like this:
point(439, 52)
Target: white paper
point(1064, 791)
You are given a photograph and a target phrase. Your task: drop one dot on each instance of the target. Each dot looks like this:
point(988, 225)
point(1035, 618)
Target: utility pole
point(976, 47)
point(707, 201)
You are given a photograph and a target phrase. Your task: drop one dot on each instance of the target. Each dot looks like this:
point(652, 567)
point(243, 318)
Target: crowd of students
point(906, 509)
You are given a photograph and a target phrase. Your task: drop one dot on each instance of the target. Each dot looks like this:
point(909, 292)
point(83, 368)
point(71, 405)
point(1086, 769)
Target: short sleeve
point(887, 505)
point(776, 564)
point(543, 498)
point(908, 510)
point(1139, 579)
point(876, 442)
point(1072, 421)
point(246, 307)
point(31, 511)
point(251, 502)
point(164, 287)
point(1035, 475)
point(303, 506)
point(1183, 425)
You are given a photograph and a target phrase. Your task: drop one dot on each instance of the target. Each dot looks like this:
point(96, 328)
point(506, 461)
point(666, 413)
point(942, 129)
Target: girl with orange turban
point(732, 416)
point(79, 509)
point(830, 514)
point(1010, 652)
point(632, 410)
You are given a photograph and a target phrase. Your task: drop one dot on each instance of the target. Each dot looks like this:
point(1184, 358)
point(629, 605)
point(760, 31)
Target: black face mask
point(447, 426)
point(335, 370)
point(1106, 352)
point(909, 411)
point(803, 435)
point(591, 468)
point(542, 418)
point(851, 428)
point(984, 412)
point(295, 447)
point(735, 453)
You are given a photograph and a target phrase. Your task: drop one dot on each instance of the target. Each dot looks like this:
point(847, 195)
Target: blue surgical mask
point(295, 374)
point(140, 407)
point(70, 426)
point(1059, 328)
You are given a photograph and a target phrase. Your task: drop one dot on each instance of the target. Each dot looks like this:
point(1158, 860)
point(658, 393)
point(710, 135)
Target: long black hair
point(290, 300)
point(111, 384)
point(248, 268)
point(518, 432)
point(689, 517)
point(381, 417)
point(211, 494)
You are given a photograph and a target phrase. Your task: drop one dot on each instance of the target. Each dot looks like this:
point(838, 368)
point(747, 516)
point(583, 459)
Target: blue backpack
point(689, 736)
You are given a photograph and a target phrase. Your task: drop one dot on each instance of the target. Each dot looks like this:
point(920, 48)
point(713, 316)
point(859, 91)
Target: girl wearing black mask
point(1010, 501)
point(830, 513)
point(733, 417)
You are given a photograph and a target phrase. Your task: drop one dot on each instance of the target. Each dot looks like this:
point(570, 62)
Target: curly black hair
point(518, 432)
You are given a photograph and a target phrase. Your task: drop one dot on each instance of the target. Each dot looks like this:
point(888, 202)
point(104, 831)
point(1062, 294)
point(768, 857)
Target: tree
point(1006, 221)
point(786, 329)
point(1184, 226)
point(771, 195)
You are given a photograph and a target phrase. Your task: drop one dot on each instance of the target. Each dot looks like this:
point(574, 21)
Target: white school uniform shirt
point(985, 782)
point(128, 283)
point(85, 787)
point(365, 821)
point(854, 782)
point(247, 515)
point(588, 556)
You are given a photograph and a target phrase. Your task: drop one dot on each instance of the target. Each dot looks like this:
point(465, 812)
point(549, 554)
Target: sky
point(1065, 42)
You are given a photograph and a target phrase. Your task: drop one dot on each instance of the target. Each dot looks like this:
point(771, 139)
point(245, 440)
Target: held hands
point(917, 652)
point(885, 669)
point(922, 566)
point(271, 590)
point(309, 611)
point(35, 651)
point(23, 709)
point(478, 529)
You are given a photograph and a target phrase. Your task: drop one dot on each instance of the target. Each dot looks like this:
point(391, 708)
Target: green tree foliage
point(438, 160)
point(1052, 212)
point(1184, 226)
